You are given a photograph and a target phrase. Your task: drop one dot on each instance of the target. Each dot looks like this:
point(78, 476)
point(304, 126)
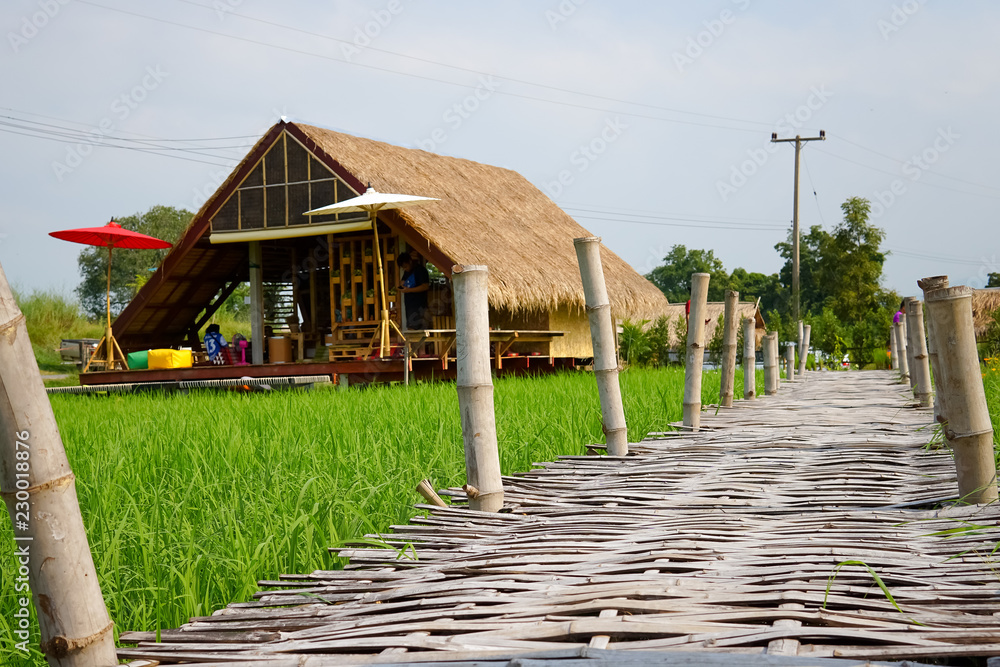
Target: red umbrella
point(110, 236)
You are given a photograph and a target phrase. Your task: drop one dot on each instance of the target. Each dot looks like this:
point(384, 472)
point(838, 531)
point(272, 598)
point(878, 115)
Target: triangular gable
point(284, 175)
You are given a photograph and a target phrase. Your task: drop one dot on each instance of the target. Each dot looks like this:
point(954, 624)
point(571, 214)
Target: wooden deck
point(719, 543)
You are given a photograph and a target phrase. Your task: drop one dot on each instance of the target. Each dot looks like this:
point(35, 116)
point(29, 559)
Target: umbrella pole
point(383, 327)
point(109, 341)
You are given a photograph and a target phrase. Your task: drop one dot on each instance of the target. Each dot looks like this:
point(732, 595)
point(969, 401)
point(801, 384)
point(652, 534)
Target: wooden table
point(502, 339)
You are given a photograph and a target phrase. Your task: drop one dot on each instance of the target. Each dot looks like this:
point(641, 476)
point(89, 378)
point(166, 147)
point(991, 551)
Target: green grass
point(188, 500)
point(50, 317)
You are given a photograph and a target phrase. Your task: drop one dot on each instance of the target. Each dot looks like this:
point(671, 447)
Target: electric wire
point(422, 77)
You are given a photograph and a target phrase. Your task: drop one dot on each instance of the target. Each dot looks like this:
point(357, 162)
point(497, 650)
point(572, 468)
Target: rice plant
point(189, 500)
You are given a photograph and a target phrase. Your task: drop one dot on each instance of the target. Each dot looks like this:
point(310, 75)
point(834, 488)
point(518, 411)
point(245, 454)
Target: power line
point(896, 174)
point(937, 258)
point(620, 215)
point(475, 71)
point(694, 224)
point(89, 137)
point(130, 148)
point(683, 216)
point(137, 134)
point(819, 209)
point(929, 171)
point(418, 76)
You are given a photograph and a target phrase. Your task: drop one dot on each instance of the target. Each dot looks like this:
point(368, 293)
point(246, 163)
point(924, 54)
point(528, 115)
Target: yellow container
point(170, 359)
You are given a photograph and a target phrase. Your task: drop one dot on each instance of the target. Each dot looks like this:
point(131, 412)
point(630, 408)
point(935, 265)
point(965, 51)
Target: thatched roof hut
point(486, 215)
point(985, 303)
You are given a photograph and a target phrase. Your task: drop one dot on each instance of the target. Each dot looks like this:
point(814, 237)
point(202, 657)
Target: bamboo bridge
point(816, 526)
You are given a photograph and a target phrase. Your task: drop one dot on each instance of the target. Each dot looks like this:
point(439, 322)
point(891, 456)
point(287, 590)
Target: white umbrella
point(372, 202)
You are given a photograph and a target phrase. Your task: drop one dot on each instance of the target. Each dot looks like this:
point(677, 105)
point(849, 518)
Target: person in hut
point(216, 346)
point(414, 286)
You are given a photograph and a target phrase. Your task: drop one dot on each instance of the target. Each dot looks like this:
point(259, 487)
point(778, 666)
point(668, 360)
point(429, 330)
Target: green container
point(137, 360)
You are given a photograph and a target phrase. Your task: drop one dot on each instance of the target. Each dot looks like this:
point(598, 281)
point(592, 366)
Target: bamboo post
point(730, 334)
point(804, 352)
point(695, 350)
point(790, 362)
point(801, 339)
point(475, 388)
point(893, 351)
point(921, 370)
point(602, 335)
point(770, 363)
point(909, 350)
point(38, 486)
point(776, 351)
point(927, 285)
point(969, 430)
point(904, 366)
point(425, 489)
point(749, 359)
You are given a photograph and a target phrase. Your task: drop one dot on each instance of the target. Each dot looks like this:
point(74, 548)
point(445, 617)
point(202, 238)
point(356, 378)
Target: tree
point(811, 287)
point(129, 268)
point(850, 267)
point(850, 270)
point(993, 280)
point(752, 286)
point(674, 277)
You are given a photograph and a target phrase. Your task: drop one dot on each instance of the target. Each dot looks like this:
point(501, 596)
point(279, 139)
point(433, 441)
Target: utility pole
point(795, 215)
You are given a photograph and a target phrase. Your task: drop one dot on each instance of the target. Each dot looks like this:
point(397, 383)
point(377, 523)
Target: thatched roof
point(715, 312)
point(493, 216)
point(487, 215)
point(985, 302)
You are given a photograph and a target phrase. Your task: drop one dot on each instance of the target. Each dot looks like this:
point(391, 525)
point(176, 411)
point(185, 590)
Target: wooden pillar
point(790, 362)
point(475, 388)
point(904, 366)
point(921, 370)
point(968, 430)
point(313, 303)
point(730, 334)
point(38, 486)
point(334, 262)
point(257, 302)
point(804, 352)
point(770, 363)
point(933, 338)
point(695, 350)
point(295, 292)
point(749, 359)
point(602, 335)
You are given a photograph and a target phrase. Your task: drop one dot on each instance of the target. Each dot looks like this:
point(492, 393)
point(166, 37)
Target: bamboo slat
point(734, 545)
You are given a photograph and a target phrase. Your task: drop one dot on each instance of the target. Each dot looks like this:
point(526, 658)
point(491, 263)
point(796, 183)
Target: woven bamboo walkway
point(716, 546)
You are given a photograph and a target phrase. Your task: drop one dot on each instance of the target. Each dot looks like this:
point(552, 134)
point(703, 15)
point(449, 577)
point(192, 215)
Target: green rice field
point(190, 499)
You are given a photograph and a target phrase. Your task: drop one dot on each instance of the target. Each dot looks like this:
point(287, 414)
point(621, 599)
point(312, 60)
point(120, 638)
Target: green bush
point(50, 317)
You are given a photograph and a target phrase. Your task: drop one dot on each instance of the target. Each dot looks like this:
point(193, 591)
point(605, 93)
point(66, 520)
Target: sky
point(650, 123)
